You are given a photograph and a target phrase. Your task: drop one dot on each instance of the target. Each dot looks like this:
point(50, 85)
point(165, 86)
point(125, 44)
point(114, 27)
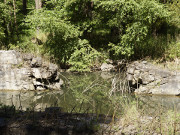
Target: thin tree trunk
point(25, 7)
point(6, 32)
point(38, 6)
point(15, 20)
point(5, 25)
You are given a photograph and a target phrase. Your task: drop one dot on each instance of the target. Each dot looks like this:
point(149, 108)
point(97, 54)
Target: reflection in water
point(24, 100)
point(155, 102)
point(16, 98)
point(70, 98)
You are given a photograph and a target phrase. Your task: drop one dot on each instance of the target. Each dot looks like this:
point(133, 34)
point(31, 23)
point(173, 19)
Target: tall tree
point(38, 4)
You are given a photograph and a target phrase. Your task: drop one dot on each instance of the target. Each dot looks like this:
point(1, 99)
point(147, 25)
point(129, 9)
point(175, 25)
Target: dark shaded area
point(51, 121)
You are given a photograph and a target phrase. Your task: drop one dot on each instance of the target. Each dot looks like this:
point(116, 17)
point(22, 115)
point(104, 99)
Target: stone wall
point(146, 78)
point(25, 72)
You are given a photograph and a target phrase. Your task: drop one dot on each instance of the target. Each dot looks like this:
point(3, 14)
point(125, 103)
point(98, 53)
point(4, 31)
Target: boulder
point(150, 79)
point(27, 57)
point(42, 73)
point(21, 72)
point(107, 67)
point(16, 79)
point(10, 58)
point(36, 62)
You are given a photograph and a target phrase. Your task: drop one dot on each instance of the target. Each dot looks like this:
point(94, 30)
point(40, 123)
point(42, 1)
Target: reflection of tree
point(84, 92)
point(154, 103)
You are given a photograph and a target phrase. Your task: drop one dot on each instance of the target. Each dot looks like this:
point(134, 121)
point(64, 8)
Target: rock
point(56, 85)
point(36, 62)
point(16, 79)
point(36, 72)
point(107, 67)
point(142, 90)
point(172, 87)
point(20, 72)
point(40, 88)
point(42, 73)
point(108, 61)
point(57, 77)
point(129, 77)
point(164, 73)
point(111, 66)
point(10, 57)
point(130, 70)
point(146, 78)
point(150, 79)
point(27, 57)
point(52, 68)
point(137, 74)
point(61, 82)
point(39, 85)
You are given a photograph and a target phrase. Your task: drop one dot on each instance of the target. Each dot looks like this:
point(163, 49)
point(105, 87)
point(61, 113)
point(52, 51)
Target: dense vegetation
point(81, 33)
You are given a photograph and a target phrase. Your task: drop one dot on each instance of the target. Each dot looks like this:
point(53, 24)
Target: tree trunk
point(25, 7)
point(38, 4)
point(5, 30)
point(15, 20)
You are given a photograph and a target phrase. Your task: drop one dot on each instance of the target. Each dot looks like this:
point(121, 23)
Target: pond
point(97, 92)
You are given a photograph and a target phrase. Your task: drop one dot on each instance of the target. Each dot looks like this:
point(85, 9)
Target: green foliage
point(2, 7)
point(147, 49)
point(5, 18)
point(83, 57)
point(62, 36)
point(174, 7)
point(174, 51)
point(117, 26)
point(77, 31)
point(135, 20)
point(63, 40)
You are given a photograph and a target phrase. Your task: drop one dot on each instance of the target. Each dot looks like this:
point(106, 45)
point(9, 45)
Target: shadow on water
point(86, 104)
point(51, 121)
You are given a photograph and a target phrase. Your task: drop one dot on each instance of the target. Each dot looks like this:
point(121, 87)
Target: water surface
point(86, 93)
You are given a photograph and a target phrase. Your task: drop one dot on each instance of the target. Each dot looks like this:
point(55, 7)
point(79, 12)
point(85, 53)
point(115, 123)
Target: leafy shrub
point(63, 40)
point(77, 31)
point(83, 57)
point(173, 51)
point(135, 21)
